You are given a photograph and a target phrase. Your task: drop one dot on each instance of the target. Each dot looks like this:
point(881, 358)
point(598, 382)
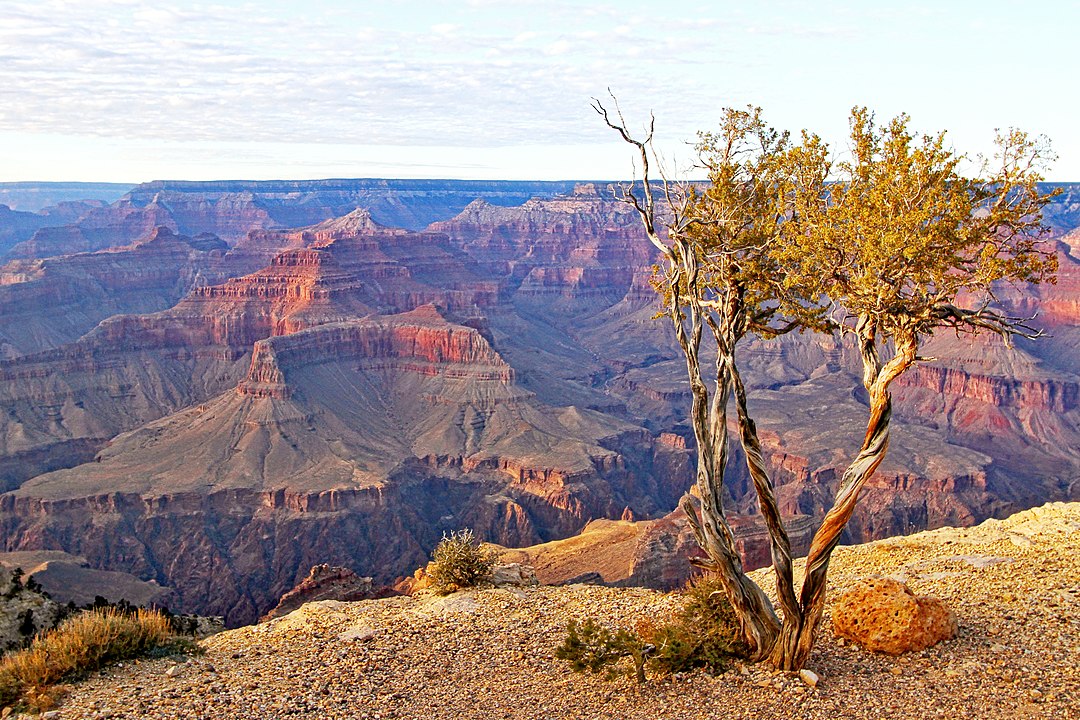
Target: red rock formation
point(1052, 394)
point(579, 248)
point(343, 418)
point(48, 303)
point(323, 583)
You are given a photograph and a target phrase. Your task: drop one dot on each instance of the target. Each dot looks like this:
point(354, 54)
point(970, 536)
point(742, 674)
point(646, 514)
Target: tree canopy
point(886, 247)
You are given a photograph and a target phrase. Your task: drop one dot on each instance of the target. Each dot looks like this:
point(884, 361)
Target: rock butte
point(217, 386)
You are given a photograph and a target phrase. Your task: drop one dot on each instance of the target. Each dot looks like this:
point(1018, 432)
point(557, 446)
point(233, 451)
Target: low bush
point(81, 643)
point(704, 633)
point(590, 646)
point(459, 561)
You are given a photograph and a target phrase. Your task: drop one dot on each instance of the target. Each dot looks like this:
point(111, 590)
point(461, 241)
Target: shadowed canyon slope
point(216, 386)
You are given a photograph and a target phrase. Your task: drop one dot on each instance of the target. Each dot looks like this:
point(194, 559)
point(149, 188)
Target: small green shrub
point(84, 642)
point(590, 646)
point(703, 634)
point(459, 562)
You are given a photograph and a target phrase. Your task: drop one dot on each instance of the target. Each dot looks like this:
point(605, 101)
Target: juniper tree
point(769, 245)
point(906, 246)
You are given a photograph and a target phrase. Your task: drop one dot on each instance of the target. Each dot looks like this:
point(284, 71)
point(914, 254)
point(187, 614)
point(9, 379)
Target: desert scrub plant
point(704, 633)
point(459, 561)
point(81, 643)
point(590, 646)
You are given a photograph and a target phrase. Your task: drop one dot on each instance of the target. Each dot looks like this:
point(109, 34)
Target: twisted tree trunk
point(797, 635)
point(757, 619)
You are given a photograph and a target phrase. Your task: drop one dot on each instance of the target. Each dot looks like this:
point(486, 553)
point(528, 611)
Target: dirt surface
point(1014, 584)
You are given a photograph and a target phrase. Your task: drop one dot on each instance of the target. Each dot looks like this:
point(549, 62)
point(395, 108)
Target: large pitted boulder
point(884, 615)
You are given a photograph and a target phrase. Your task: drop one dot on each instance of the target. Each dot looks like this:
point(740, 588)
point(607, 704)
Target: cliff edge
point(489, 653)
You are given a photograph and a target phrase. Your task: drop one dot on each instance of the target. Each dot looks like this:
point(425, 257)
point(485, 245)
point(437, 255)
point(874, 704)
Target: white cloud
point(446, 73)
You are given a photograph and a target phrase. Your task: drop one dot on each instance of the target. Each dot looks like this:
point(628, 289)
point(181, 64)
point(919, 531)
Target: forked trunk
point(793, 645)
point(797, 635)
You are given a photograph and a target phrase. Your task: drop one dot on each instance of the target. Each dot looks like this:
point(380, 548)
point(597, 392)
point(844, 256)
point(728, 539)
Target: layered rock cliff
point(233, 209)
point(344, 392)
point(356, 442)
point(52, 302)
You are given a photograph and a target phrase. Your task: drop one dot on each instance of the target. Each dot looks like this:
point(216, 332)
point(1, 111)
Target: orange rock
point(884, 615)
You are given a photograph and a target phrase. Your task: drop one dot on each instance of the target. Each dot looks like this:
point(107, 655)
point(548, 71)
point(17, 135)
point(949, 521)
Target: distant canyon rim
point(215, 386)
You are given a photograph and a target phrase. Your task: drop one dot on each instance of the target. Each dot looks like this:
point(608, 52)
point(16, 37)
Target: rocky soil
point(1014, 584)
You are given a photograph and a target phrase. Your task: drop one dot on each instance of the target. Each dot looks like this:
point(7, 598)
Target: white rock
point(809, 677)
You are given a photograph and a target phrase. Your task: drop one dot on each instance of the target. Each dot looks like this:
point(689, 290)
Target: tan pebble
point(896, 670)
point(1034, 694)
point(809, 677)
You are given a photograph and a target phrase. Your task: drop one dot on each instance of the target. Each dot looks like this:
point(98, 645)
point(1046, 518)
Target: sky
point(130, 91)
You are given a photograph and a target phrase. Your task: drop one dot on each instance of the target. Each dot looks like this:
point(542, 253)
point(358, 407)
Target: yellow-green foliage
point(82, 643)
point(459, 561)
point(904, 233)
point(590, 646)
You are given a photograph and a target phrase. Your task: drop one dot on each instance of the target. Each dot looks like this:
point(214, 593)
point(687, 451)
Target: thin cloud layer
point(434, 74)
point(484, 73)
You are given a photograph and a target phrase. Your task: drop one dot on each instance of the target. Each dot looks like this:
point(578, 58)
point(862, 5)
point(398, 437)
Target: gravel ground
point(1014, 584)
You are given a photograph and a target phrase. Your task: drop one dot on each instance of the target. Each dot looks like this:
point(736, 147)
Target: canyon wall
point(220, 412)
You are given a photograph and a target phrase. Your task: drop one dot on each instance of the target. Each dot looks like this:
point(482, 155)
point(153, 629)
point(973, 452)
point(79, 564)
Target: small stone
point(173, 671)
point(896, 670)
point(950, 673)
point(1034, 694)
point(359, 634)
point(49, 715)
point(513, 575)
point(809, 677)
